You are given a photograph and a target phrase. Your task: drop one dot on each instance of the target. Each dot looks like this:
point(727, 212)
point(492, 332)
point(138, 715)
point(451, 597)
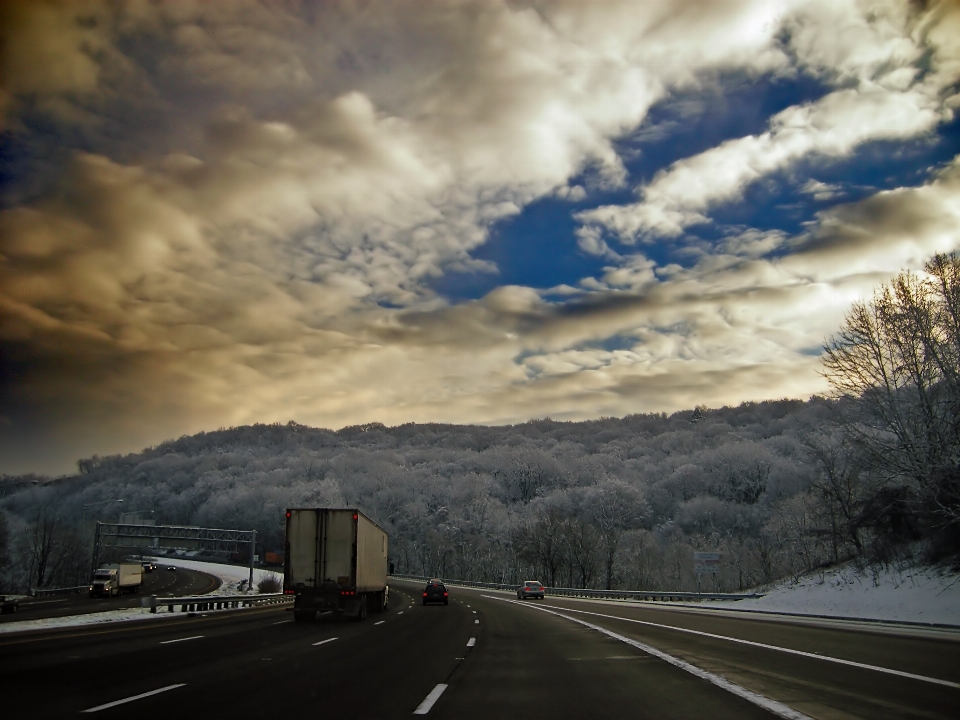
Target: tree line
point(780, 488)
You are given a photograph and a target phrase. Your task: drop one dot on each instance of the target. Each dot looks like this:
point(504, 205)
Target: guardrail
point(59, 591)
point(207, 603)
point(638, 595)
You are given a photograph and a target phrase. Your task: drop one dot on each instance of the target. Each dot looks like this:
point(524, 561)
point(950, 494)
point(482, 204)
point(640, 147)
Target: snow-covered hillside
point(918, 594)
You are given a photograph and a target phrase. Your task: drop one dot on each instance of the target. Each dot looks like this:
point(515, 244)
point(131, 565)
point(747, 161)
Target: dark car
point(436, 592)
point(172, 567)
point(9, 605)
point(148, 566)
point(531, 588)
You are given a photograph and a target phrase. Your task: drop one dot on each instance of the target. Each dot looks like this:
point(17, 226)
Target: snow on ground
point(230, 577)
point(917, 594)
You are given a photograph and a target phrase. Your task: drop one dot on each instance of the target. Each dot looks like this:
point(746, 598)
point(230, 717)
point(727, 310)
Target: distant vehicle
point(110, 580)
point(334, 560)
point(148, 566)
point(436, 592)
point(272, 558)
point(530, 588)
point(9, 605)
point(172, 568)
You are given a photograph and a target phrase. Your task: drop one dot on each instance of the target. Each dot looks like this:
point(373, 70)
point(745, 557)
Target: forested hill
point(612, 501)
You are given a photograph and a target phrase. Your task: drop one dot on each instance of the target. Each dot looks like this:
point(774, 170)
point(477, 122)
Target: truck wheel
point(362, 612)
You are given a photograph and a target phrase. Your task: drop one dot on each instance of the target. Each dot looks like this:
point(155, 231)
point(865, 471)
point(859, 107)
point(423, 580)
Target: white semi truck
point(117, 578)
point(335, 560)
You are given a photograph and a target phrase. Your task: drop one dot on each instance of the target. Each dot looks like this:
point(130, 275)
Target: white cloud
point(834, 126)
point(839, 41)
point(264, 200)
point(821, 191)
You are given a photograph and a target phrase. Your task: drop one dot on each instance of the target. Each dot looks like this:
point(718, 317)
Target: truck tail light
point(289, 592)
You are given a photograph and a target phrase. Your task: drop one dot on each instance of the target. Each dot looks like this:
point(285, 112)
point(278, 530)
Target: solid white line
point(380, 623)
point(322, 642)
point(801, 653)
point(471, 642)
point(131, 699)
point(424, 707)
point(778, 709)
point(167, 642)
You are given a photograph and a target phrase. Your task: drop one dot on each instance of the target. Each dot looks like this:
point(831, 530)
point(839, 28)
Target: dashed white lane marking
point(400, 613)
point(281, 622)
point(324, 642)
point(131, 699)
point(424, 707)
point(476, 622)
point(380, 623)
point(194, 637)
point(471, 642)
point(474, 612)
point(801, 653)
point(778, 709)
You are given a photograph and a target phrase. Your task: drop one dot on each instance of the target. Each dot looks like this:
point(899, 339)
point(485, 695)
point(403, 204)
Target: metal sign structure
point(172, 537)
point(707, 563)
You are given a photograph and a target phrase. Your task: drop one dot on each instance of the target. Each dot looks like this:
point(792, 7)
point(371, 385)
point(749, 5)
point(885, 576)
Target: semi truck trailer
point(118, 578)
point(334, 560)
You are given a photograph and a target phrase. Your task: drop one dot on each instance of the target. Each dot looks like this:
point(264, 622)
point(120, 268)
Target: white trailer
point(116, 578)
point(334, 560)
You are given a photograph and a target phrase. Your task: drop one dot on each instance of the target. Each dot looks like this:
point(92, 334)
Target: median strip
point(778, 709)
point(131, 699)
point(424, 707)
point(801, 653)
point(192, 637)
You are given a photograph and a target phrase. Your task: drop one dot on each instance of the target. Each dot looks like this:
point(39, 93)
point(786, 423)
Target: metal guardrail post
point(212, 603)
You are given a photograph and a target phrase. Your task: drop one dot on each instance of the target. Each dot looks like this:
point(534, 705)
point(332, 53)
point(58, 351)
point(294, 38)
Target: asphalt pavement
point(485, 655)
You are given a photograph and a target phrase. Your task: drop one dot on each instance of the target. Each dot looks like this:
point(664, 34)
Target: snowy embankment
point(230, 577)
point(917, 595)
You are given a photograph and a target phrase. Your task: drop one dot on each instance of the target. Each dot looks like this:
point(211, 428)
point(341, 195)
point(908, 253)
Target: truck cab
point(110, 580)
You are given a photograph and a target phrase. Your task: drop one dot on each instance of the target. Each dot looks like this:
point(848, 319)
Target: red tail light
point(424, 594)
point(289, 592)
point(445, 594)
point(289, 513)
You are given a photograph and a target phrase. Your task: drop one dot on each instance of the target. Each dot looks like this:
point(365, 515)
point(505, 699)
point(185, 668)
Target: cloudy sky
point(216, 214)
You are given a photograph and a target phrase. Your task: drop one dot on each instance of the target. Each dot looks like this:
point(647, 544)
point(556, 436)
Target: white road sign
point(707, 563)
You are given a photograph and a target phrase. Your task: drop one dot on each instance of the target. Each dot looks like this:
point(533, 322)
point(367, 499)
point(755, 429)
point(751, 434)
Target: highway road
point(484, 656)
point(160, 582)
